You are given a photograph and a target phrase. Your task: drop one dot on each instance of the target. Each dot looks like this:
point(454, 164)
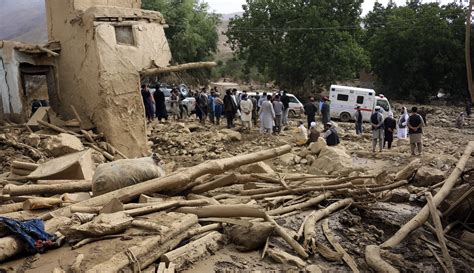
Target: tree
point(300, 44)
point(417, 50)
point(192, 32)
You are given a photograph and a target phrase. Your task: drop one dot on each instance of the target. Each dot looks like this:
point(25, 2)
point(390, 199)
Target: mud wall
point(100, 76)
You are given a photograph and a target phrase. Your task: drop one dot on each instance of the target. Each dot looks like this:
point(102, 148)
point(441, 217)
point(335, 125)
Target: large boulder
point(287, 159)
point(248, 238)
point(332, 159)
point(231, 134)
point(317, 146)
point(63, 144)
point(428, 176)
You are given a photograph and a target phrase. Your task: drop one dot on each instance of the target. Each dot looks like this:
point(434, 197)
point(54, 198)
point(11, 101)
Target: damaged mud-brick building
point(99, 49)
point(104, 45)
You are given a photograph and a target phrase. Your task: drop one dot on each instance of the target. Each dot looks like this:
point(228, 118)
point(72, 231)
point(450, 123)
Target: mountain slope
point(23, 20)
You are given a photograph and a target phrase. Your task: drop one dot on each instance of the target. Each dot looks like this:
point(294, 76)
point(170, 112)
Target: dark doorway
point(39, 87)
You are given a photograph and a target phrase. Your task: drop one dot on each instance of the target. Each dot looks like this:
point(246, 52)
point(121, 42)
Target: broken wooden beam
point(176, 68)
point(375, 261)
point(52, 189)
point(439, 232)
point(424, 213)
point(225, 211)
point(311, 202)
point(223, 181)
point(310, 225)
point(195, 250)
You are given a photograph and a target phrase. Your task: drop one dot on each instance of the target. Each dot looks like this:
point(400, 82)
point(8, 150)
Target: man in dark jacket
point(286, 108)
point(359, 119)
point(389, 125)
point(415, 130)
point(230, 108)
point(160, 106)
point(325, 111)
point(310, 110)
point(331, 136)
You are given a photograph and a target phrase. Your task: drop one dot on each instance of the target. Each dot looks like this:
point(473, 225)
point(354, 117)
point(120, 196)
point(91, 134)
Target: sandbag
point(126, 172)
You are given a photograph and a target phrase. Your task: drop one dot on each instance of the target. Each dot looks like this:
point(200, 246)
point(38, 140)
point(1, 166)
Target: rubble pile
point(211, 194)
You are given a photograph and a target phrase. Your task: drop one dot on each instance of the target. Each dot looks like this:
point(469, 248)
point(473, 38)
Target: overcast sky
point(230, 6)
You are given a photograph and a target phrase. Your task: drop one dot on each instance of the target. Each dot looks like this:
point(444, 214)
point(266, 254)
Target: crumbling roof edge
point(98, 12)
point(30, 48)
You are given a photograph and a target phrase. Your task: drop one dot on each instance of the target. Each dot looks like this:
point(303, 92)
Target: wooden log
point(300, 232)
point(104, 153)
point(375, 261)
point(41, 203)
point(310, 226)
point(225, 211)
point(64, 181)
point(7, 208)
point(149, 250)
point(216, 183)
point(284, 235)
point(176, 68)
point(150, 225)
point(254, 192)
point(48, 189)
point(332, 240)
point(441, 263)
point(210, 200)
point(407, 172)
point(91, 210)
point(76, 114)
point(5, 198)
point(56, 128)
point(180, 179)
point(24, 165)
point(20, 172)
point(311, 202)
point(280, 256)
point(424, 213)
point(439, 232)
point(195, 250)
point(150, 208)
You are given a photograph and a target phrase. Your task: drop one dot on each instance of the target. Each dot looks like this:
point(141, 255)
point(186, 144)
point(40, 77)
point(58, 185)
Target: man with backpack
point(376, 120)
point(415, 130)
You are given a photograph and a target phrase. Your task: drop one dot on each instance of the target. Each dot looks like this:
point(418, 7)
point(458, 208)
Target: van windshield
point(384, 104)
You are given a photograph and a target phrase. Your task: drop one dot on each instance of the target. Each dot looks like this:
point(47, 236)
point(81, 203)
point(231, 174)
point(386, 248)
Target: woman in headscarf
point(389, 124)
point(402, 130)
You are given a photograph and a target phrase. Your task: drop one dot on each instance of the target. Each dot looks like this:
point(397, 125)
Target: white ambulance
point(345, 99)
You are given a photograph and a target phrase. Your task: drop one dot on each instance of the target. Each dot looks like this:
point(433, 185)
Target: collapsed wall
point(105, 44)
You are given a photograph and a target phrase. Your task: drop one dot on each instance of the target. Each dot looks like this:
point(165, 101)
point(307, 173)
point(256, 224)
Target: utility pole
point(467, 48)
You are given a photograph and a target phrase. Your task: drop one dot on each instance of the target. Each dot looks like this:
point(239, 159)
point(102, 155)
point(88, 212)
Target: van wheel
point(185, 113)
point(345, 117)
point(292, 114)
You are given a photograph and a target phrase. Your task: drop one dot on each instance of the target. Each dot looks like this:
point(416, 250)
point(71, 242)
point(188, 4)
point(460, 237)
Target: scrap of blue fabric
point(31, 232)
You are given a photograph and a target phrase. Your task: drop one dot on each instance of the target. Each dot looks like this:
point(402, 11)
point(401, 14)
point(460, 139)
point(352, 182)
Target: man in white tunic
point(246, 107)
point(402, 130)
point(267, 116)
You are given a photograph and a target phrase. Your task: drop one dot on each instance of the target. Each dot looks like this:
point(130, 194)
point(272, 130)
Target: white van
point(296, 107)
point(345, 99)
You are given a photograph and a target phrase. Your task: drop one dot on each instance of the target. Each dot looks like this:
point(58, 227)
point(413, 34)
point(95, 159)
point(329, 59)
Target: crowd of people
point(269, 112)
point(407, 126)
